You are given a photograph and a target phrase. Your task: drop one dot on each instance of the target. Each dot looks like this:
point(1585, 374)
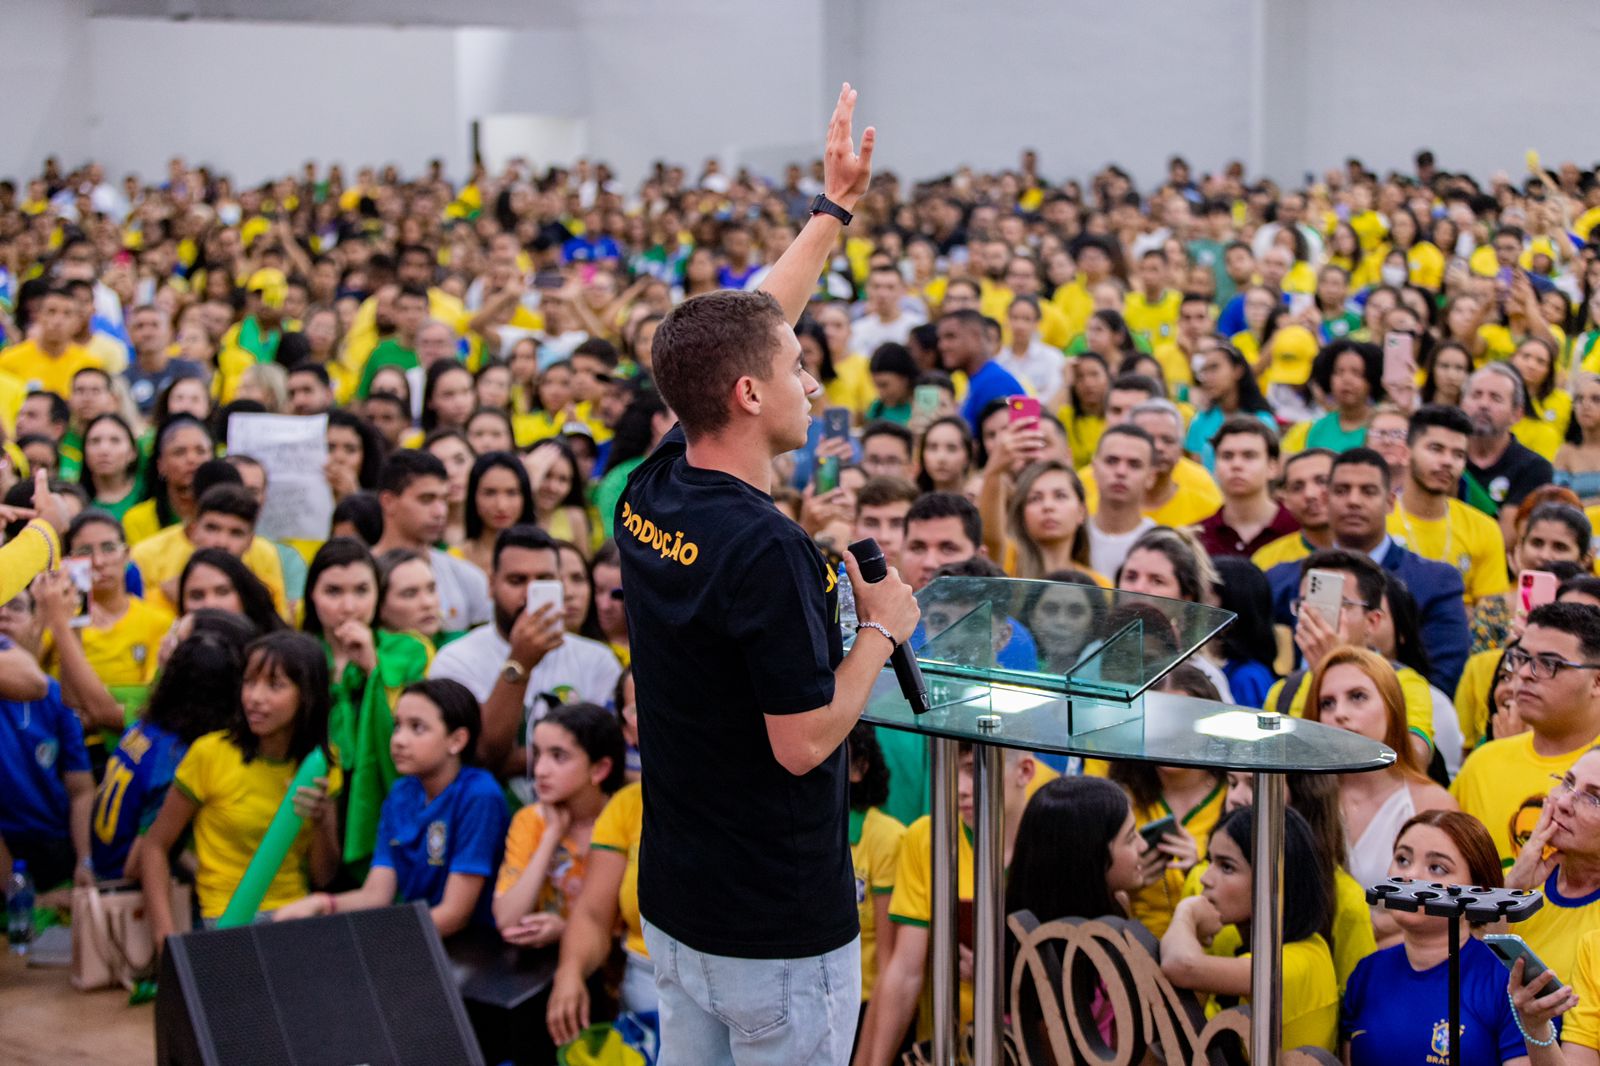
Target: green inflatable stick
point(269, 856)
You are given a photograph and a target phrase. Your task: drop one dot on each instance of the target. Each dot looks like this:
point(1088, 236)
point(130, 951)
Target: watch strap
point(824, 206)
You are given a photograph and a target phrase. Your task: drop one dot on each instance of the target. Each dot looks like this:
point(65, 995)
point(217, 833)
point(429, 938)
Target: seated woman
point(194, 696)
point(578, 764)
point(1091, 819)
point(1356, 690)
point(1201, 952)
point(443, 823)
point(232, 782)
point(1378, 1024)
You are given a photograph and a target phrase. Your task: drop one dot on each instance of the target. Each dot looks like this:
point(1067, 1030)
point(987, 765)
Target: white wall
point(46, 96)
point(1287, 85)
point(258, 99)
point(1082, 81)
point(1478, 81)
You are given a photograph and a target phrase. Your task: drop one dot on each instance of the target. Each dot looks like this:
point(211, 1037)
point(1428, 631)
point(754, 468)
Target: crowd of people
point(1204, 390)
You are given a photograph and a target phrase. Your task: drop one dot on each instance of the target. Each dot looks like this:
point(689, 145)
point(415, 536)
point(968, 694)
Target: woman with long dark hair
point(558, 492)
point(1249, 646)
point(110, 471)
point(498, 497)
point(355, 454)
point(216, 578)
point(181, 445)
point(1226, 383)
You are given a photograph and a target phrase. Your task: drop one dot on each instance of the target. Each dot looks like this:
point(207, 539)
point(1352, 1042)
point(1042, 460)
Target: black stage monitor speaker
point(368, 988)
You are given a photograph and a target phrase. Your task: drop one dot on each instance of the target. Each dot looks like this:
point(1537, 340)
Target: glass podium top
point(1072, 669)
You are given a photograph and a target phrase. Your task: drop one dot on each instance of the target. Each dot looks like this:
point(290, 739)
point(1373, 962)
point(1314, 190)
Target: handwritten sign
point(292, 449)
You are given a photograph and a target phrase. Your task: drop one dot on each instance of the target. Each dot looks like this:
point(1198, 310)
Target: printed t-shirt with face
point(237, 801)
point(1503, 784)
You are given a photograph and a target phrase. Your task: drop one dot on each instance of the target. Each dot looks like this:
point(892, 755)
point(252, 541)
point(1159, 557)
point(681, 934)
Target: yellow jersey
point(620, 828)
point(1557, 929)
point(1156, 320)
point(1419, 700)
point(1083, 434)
point(141, 522)
point(1074, 301)
point(162, 557)
point(1503, 784)
point(1472, 695)
point(852, 384)
point(1289, 548)
point(1176, 366)
point(13, 390)
point(237, 801)
point(1581, 1024)
point(1537, 436)
point(1465, 538)
point(29, 363)
point(875, 853)
point(1153, 905)
point(124, 654)
point(912, 901)
point(1310, 988)
point(1196, 500)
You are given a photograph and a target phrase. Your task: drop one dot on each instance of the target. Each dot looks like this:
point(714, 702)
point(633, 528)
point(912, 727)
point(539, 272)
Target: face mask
point(1394, 275)
point(229, 214)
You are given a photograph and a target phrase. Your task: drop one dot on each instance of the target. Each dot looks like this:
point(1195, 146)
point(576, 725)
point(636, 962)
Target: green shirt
point(1326, 432)
point(609, 491)
point(900, 413)
point(387, 353)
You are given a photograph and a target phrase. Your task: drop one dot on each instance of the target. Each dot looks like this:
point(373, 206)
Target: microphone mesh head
point(869, 557)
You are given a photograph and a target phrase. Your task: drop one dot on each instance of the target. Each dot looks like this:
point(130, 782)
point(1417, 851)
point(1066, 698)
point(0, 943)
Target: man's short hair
point(391, 400)
point(316, 370)
point(882, 491)
point(415, 292)
point(1137, 383)
point(1519, 391)
point(214, 472)
point(1247, 426)
point(1580, 619)
point(967, 317)
point(93, 371)
point(1361, 457)
point(60, 414)
point(708, 343)
point(936, 505)
point(1309, 453)
point(406, 466)
point(1437, 415)
point(1157, 405)
point(598, 348)
point(884, 428)
point(523, 535)
point(1128, 429)
point(1369, 575)
point(234, 500)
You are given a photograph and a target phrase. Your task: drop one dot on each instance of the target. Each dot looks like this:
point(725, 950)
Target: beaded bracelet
point(1518, 1016)
point(880, 627)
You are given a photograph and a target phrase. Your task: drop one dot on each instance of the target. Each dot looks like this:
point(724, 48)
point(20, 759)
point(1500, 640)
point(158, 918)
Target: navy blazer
point(1441, 608)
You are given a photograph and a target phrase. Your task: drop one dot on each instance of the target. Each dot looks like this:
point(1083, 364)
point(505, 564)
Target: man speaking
point(745, 697)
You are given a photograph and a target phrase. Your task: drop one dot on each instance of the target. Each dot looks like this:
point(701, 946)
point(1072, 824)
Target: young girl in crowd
point(1085, 412)
point(195, 696)
point(1170, 563)
point(1089, 818)
point(577, 756)
point(1045, 521)
point(442, 825)
point(1546, 408)
point(408, 594)
point(123, 632)
point(1226, 386)
point(1378, 1021)
point(1203, 949)
point(181, 445)
point(216, 578)
point(231, 783)
point(1357, 690)
point(1577, 462)
point(110, 473)
point(369, 668)
point(450, 447)
point(498, 496)
point(558, 492)
point(448, 398)
point(1064, 613)
point(1446, 370)
point(945, 455)
point(489, 428)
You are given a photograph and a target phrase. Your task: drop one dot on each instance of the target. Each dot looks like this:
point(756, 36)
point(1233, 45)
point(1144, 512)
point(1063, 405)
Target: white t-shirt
point(580, 670)
point(870, 331)
point(1042, 368)
point(463, 592)
point(1107, 550)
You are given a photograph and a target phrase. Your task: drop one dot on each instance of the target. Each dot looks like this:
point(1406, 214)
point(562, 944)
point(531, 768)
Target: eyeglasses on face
point(1540, 667)
point(1580, 797)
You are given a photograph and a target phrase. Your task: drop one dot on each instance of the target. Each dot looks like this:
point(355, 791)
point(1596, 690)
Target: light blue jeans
point(721, 1011)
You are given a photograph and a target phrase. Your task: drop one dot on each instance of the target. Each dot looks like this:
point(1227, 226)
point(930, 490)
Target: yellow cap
point(1293, 349)
point(271, 284)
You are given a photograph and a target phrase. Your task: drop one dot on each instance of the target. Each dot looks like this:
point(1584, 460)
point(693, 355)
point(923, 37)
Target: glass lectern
point(1071, 670)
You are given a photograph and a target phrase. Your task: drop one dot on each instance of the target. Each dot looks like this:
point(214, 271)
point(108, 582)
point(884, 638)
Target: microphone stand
point(1481, 905)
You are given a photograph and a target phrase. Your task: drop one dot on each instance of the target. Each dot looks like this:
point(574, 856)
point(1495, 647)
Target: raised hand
point(845, 171)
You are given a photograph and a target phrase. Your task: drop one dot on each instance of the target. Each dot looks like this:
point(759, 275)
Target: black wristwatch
point(824, 206)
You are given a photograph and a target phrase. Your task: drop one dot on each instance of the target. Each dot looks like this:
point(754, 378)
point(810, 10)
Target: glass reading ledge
point(1071, 669)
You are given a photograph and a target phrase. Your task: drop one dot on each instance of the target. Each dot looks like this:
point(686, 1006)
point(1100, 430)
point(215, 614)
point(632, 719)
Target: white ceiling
point(542, 13)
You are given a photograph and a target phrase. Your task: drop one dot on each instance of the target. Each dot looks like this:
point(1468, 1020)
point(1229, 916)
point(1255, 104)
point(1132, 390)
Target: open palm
point(846, 172)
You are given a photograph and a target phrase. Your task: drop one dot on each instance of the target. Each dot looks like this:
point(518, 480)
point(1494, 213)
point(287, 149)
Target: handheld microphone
point(874, 568)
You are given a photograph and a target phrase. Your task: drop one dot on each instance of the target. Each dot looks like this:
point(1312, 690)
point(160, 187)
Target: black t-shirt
point(732, 616)
point(1517, 472)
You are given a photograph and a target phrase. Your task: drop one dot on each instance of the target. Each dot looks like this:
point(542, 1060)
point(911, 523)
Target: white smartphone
point(541, 593)
point(81, 573)
point(1325, 592)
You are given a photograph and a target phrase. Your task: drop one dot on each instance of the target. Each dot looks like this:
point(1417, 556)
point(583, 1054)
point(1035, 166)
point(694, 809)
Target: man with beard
point(1500, 470)
point(1428, 518)
point(524, 662)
